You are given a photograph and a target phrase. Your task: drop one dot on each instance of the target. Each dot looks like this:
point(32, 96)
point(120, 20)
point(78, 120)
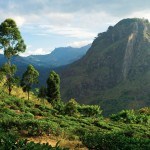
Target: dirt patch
point(73, 145)
point(43, 139)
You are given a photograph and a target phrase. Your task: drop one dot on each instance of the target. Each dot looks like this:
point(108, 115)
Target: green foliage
point(28, 118)
point(10, 39)
point(29, 78)
point(12, 44)
point(53, 88)
point(9, 71)
point(90, 110)
point(110, 76)
point(10, 141)
point(71, 108)
point(42, 92)
point(114, 141)
point(131, 116)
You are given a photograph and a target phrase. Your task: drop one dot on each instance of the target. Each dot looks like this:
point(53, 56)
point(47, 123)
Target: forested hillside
point(115, 72)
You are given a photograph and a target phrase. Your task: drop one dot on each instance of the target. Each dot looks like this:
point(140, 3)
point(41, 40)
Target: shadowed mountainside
point(115, 72)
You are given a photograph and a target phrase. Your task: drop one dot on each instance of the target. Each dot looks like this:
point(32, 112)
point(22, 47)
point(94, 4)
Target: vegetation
point(9, 71)
point(11, 141)
point(12, 44)
point(115, 72)
point(10, 39)
point(29, 118)
point(113, 141)
point(53, 88)
point(29, 78)
point(22, 119)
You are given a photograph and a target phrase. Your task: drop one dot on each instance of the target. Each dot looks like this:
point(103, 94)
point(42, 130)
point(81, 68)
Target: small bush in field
point(71, 108)
point(90, 110)
point(8, 111)
point(27, 116)
point(36, 112)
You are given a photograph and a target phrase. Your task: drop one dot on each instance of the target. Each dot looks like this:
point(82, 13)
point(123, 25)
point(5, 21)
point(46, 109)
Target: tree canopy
point(29, 78)
point(11, 41)
point(53, 87)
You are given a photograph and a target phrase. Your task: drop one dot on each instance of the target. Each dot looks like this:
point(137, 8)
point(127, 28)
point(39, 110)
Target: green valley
point(40, 119)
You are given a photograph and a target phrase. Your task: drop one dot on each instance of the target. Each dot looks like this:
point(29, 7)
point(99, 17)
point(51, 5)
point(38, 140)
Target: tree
point(11, 41)
point(29, 78)
point(53, 88)
point(12, 44)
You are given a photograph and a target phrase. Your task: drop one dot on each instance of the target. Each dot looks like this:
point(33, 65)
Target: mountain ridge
point(59, 56)
point(116, 67)
point(45, 63)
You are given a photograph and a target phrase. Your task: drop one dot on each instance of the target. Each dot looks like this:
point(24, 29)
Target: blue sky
point(47, 24)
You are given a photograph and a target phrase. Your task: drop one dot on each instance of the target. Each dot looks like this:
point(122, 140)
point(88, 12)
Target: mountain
point(22, 63)
point(59, 56)
point(44, 63)
point(115, 72)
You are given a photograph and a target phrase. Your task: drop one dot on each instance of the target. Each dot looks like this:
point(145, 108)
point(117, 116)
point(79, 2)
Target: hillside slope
point(115, 72)
point(36, 120)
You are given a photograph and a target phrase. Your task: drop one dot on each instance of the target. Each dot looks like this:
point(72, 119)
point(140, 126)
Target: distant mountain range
point(44, 63)
point(115, 72)
point(59, 57)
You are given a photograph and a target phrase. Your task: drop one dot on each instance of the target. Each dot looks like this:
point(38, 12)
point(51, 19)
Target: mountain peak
point(132, 20)
point(115, 67)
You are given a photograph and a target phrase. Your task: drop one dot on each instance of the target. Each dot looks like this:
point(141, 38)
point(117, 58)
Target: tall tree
point(11, 41)
point(53, 88)
point(29, 78)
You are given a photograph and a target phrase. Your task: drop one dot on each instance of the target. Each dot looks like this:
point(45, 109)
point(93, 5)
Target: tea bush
point(114, 141)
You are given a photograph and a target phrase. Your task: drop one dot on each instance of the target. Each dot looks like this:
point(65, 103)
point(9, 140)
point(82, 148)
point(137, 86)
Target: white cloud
point(38, 51)
point(79, 20)
point(19, 20)
point(29, 46)
point(41, 34)
point(80, 43)
point(141, 14)
point(68, 31)
point(1, 51)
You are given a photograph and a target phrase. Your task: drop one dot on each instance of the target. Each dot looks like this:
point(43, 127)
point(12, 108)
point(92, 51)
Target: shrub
point(130, 116)
point(90, 110)
point(71, 108)
point(9, 141)
point(114, 141)
point(27, 116)
point(36, 112)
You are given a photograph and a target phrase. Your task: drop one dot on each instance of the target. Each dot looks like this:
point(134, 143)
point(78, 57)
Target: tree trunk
point(9, 90)
point(28, 95)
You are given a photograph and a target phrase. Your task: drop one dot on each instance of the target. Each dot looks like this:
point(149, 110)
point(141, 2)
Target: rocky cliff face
point(115, 70)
